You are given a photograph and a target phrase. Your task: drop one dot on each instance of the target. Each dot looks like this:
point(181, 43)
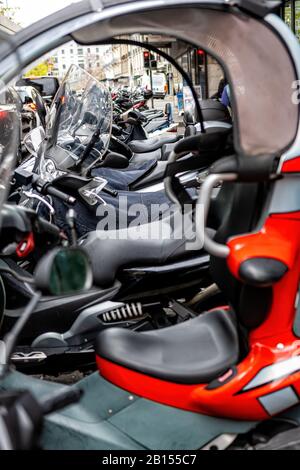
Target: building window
point(71, 51)
point(288, 14)
point(62, 51)
point(80, 51)
point(297, 19)
point(64, 66)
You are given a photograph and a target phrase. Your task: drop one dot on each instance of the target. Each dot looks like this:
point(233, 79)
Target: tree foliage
point(38, 71)
point(9, 12)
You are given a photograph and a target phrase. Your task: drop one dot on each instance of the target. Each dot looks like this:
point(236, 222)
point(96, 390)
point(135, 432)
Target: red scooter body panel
point(236, 394)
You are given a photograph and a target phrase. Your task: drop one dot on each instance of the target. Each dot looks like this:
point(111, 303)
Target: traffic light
point(149, 56)
point(146, 59)
point(200, 56)
point(153, 62)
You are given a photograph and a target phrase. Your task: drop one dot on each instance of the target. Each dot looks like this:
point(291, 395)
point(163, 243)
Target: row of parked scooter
point(90, 156)
point(154, 121)
point(84, 168)
point(194, 332)
point(34, 95)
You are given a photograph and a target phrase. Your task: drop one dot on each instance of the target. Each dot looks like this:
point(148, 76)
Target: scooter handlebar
point(60, 195)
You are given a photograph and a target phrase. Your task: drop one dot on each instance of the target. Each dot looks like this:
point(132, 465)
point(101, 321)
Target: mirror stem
point(71, 219)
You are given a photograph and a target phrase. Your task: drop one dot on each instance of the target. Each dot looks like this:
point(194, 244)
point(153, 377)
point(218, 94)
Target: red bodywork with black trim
point(269, 344)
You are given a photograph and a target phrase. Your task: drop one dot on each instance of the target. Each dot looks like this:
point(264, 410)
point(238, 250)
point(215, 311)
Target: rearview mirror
point(63, 271)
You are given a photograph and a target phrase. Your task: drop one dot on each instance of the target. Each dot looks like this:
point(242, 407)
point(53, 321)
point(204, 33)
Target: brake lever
point(32, 195)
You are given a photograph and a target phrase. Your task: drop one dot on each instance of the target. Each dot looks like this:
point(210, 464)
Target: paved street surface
point(160, 104)
point(65, 378)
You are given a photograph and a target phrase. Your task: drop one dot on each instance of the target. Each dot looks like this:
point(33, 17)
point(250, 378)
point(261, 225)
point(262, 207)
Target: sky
point(32, 10)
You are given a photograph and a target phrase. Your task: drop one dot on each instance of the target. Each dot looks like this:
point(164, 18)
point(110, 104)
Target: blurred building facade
point(124, 64)
point(86, 57)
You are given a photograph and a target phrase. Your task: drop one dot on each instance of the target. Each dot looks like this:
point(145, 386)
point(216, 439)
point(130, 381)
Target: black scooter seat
point(153, 177)
point(193, 352)
point(149, 145)
point(156, 175)
point(146, 157)
point(111, 250)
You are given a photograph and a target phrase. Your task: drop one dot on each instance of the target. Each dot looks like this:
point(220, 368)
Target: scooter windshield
point(79, 125)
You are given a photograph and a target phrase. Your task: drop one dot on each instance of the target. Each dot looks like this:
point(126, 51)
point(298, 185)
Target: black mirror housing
point(63, 271)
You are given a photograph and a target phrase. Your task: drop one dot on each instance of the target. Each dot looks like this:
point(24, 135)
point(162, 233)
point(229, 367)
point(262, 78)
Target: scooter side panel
point(68, 434)
point(110, 418)
point(83, 426)
point(159, 427)
point(147, 424)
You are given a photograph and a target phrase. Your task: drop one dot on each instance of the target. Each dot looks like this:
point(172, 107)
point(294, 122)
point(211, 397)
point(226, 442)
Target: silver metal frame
point(212, 247)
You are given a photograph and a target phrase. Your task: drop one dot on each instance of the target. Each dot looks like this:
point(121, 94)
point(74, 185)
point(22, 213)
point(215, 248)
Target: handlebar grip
point(60, 400)
point(111, 192)
point(60, 195)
